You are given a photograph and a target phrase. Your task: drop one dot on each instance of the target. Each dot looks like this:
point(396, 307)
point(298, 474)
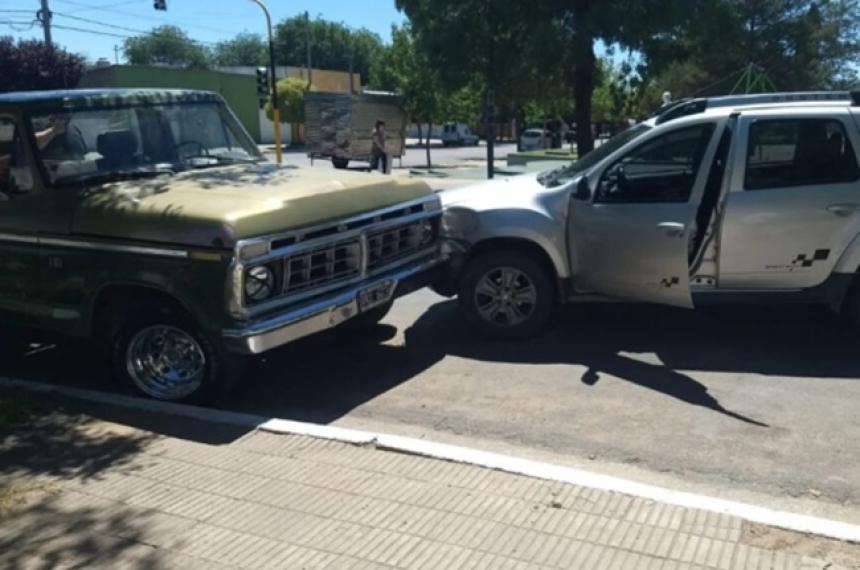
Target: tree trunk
point(583, 74)
point(427, 143)
point(420, 138)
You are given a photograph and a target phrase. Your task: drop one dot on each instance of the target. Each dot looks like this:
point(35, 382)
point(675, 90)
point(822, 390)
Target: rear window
point(799, 152)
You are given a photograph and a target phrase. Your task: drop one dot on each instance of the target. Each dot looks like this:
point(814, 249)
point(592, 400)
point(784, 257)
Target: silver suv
point(740, 199)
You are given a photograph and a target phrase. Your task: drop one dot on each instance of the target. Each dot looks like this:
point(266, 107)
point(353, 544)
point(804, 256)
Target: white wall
point(267, 133)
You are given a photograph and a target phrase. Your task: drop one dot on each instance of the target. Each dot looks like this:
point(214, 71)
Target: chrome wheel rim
point(505, 296)
point(165, 362)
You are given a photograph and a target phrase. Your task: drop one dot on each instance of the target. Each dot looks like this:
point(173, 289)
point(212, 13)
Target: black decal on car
point(803, 260)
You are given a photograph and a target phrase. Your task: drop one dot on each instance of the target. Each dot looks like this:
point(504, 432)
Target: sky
point(203, 20)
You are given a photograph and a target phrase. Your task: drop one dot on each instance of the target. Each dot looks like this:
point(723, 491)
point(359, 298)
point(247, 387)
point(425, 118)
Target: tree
point(629, 25)
point(244, 49)
point(166, 45)
point(332, 45)
point(491, 41)
point(291, 100)
point(30, 64)
point(797, 44)
point(403, 68)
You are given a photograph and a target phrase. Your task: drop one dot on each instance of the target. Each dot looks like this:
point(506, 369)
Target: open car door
point(631, 230)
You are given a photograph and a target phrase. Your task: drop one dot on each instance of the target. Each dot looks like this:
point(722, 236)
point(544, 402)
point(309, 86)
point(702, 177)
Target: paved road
point(758, 405)
point(439, 155)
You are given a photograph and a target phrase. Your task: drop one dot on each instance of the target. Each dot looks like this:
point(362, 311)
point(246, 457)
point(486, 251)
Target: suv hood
point(493, 194)
point(215, 207)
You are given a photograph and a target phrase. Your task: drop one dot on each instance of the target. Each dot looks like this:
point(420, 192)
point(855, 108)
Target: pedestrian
point(378, 152)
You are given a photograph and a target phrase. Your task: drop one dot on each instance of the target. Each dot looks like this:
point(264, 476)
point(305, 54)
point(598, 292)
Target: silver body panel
point(757, 241)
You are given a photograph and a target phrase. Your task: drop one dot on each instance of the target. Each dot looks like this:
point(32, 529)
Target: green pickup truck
point(149, 221)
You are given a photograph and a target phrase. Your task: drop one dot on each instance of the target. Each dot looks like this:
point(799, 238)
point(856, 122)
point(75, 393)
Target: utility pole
point(276, 111)
point(351, 57)
point(44, 16)
point(116, 54)
point(308, 44)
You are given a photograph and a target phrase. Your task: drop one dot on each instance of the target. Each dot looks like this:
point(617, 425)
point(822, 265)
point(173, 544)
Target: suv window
point(798, 152)
point(663, 169)
point(15, 174)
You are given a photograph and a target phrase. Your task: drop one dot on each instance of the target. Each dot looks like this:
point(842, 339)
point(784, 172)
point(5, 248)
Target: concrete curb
point(509, 464)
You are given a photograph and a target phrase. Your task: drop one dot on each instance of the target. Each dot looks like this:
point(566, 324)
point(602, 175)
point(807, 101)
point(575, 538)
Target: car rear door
point(794, 202)
point(630, 238)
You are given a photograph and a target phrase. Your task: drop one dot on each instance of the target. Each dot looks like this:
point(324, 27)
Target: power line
point(105, 24)
point(89, 31)
point(140, 16)
point(121, 28)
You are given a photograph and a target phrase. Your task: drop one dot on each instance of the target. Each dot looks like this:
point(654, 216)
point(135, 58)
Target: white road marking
point(509, 464)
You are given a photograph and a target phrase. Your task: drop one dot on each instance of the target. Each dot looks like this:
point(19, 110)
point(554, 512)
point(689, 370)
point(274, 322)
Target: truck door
point(19, 249)
point(794, 200)
point(631, 236)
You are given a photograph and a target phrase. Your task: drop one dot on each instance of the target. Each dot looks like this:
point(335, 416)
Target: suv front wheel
point(506, 294)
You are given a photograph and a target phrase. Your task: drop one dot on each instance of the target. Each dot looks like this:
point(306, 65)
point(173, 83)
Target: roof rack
point(693, 106)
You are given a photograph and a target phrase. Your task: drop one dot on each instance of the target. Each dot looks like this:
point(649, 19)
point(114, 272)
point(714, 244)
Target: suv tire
point(340, 163)
point(161, 353)
point(506, 294)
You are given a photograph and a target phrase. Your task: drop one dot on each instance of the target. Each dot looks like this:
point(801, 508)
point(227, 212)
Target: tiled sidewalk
point(133, 499)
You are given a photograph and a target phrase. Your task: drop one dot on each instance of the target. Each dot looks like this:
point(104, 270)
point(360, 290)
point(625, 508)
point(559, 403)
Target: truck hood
point(216, 207)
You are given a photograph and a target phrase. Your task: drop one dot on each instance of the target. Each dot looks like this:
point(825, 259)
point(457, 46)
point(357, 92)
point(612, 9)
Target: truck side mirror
point(583, 190)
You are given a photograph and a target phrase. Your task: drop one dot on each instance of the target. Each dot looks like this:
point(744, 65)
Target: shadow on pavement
point(322, 378)
point(49, 448)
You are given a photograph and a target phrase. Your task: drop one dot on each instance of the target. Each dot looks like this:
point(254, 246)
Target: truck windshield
point(565, 173)
point(109, 143)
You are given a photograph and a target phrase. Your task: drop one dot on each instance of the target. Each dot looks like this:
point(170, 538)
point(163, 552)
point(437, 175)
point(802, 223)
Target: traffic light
point(160, 5)
point(262, 85)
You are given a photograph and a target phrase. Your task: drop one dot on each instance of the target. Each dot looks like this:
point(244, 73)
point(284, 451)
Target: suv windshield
point(565, 173)
point(112, 142)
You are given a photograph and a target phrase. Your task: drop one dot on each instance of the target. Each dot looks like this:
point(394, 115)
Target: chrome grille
point(321, 266)
point(388, 245)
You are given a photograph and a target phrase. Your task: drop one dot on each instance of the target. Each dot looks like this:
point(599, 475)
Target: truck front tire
point(506, 294)
point(161, 353)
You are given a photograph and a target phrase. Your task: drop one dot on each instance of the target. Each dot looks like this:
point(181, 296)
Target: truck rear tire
point(506, 294)
point(340, 163)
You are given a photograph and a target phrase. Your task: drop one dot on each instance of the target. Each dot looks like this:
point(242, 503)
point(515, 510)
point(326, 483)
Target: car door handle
point(845, 209)
point(672, 229)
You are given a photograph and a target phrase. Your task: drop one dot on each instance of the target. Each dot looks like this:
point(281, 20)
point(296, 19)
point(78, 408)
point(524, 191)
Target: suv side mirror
point(583, 190)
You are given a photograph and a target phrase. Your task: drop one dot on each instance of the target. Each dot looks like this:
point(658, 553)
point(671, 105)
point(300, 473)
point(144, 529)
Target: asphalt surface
point(754, 404)
point(414, 157)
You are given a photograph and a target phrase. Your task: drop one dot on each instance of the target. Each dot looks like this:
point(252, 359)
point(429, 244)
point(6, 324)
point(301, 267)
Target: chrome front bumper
point(262, 335)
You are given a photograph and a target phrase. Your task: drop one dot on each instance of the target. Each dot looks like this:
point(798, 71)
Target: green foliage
point(404, 69)
point(244, 49)
point(291, 100)
point(331, 45)
point(29, 64)
point(796, 44)
point(166, 45)
point(491, 40)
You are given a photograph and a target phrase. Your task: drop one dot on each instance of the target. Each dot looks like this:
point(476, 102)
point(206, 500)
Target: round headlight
point(259, 283)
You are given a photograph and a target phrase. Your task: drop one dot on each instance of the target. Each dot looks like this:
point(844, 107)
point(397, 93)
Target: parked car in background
point(149, 222)
point(458, 134)
point(534, 139)
point(739, 199)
